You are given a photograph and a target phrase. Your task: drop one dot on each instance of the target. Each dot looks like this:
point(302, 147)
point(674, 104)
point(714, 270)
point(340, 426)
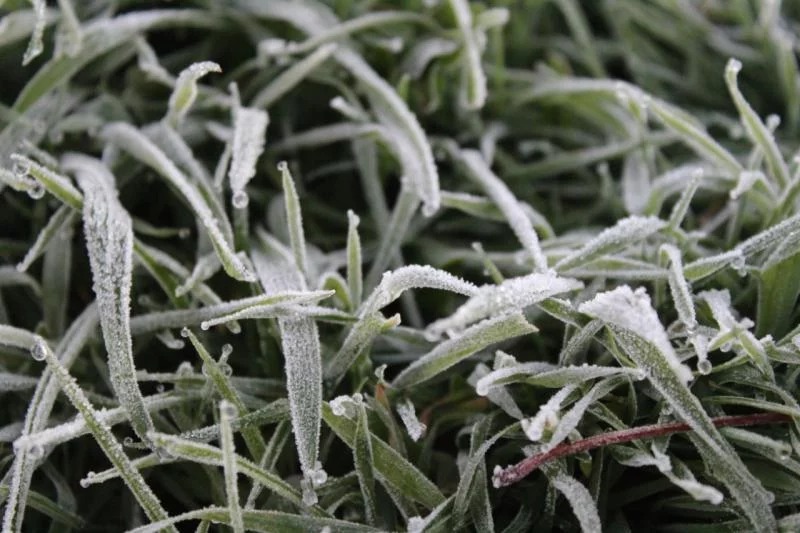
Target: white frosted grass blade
point(547, 417)
point(35, 45)
point(355, 276)
point(424, 52)
point(185, 91)
point(329, 134)
point(38, 414)
point(763, 240)
point(567, 423)
point(227, 411)
point(640, 335)
point(681, 207)
point(109, 240)
point(472, 340)
point(707, 266)
point(579, 498)
point(474, 90)
point(270, 311)
point(681, 476)
point(755, 128)
point(514, 294)
point(260, 520)
point(135, 143)
point(546, 375)
point(624, 233)
point(394, 232)
point(635, 182)
point(414, 427)
point(102, 434)
point(16, 382)
point(19, 181)
point(57, 185)
point(632, 312)
point(198, 452)
point(497, 395)
point(679, 288)
point(294, 218)
point(179, 318)
point(277, 270)
point(249, 135)
point(291, 77)
point(512, 209)
point(395, 282)
point(58, 224)
point(78, 427)
point(359, 337)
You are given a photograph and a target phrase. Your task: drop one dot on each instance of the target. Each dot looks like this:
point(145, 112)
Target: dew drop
point(160, 388)
point(309, 496)
point(84, 483)
point(20, 169)
point(227, 409)
point(39, 350)
point(227, 349)
point(184, 233)
point(127, 441)
point(726, 347)
point(184, 332)
point(240, 199)
point(283, 166)
point(205, 370)
point(704, 366)
point(204, 325)
point(785, 453)
point(226, 369)
point(36, 191)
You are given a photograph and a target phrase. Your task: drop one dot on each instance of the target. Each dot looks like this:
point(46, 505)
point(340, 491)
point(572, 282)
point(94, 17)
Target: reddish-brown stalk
point(519, 471)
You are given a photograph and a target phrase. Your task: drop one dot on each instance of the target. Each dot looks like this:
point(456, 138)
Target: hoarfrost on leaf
point(415, 428)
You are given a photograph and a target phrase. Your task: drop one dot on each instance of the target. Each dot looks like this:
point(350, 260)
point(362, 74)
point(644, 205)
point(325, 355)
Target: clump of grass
point(421, 265)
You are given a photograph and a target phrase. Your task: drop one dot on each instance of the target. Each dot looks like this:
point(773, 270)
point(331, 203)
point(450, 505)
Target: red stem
point(519, 471)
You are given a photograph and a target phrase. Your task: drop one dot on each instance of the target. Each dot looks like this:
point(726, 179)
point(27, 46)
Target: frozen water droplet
point(240, 199)
point(785, 453)
point(227, 349)
point(226, 369)
point(318, 476)
point(204, 325)
point(704, 367)
point(185, 368)
point(39, 350)
point(127, 441)
point(36, 191)
point(283, 166)
point(309, 496)
point(184, 332)
point(227, 409)
point(726, 347)
point(20, 169)
point(84, 483)
point(205, 370)
point(428, 210)
point(160, 388)
point(734, 66)
point(770, 497)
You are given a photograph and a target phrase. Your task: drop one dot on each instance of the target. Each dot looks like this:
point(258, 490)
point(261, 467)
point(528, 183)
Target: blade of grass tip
point(624, 233)
point(291, 77)
point(136, 144)
point(354, 274)
point(364, 461)
point(639, 333)
point(222, 382)
point(35, 45)
point(755, 128)
point(681, 207)
point(391, 468)
point(513, 294)
point(228, 411)
point(49, 508)
point(472, 340)
point(277, 270)
point(109, 239)
point(295, 219)
point(679, 288)
point(512, 210)
point(38, 413)
point(57, 185)
point(102, 434)
point(474, 91)
point(249, 135)
point(185, 91)
point(100, 37)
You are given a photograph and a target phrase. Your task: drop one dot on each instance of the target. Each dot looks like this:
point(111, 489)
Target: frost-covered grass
point(346, 265)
